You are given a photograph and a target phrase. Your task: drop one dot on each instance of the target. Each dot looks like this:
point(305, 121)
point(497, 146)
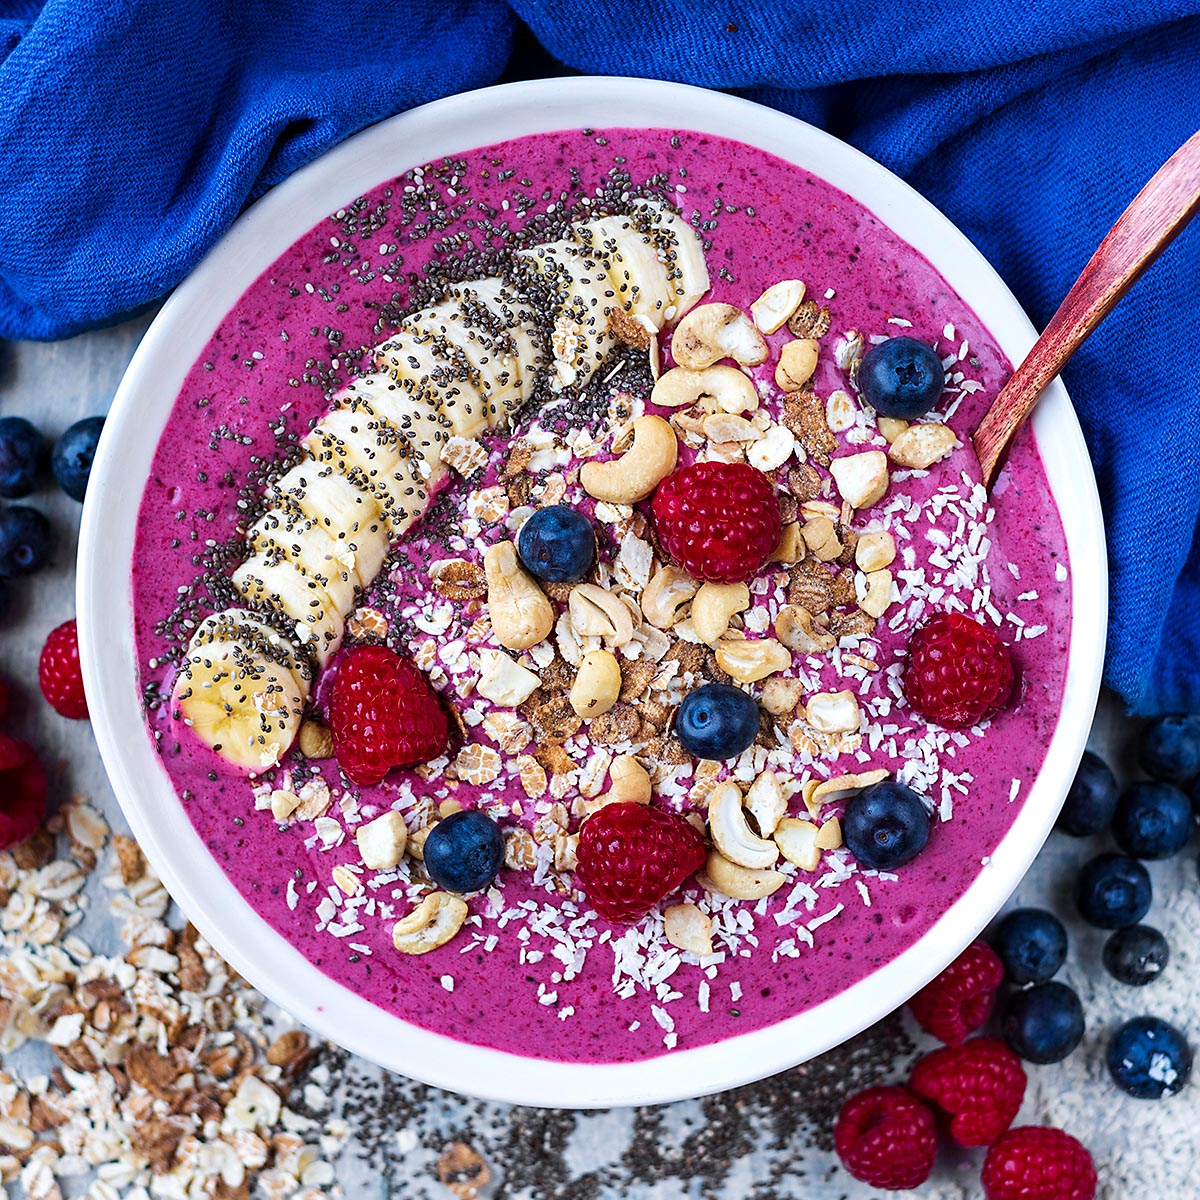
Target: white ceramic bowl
point(136, 422)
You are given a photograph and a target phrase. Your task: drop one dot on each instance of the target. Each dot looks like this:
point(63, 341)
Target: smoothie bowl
point(573, 658)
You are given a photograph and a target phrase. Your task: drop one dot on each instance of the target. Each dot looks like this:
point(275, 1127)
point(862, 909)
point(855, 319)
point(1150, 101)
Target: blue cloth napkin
point(132, 132)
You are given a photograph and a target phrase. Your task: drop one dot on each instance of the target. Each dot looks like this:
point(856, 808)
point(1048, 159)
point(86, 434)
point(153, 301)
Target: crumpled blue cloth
point(132, 132)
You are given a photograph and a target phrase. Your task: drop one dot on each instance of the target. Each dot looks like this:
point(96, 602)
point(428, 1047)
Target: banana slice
point(323, 494)
point(436, 366)
point(246, 627)
point(309, 548)
point(637, 270)
point(687, 272)
point(282, 586)
point(411, 414)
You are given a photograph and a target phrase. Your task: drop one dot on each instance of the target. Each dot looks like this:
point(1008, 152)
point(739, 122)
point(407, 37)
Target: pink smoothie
point(535, 971)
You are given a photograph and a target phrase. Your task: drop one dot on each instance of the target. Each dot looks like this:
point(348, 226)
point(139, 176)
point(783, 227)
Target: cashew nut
point(797, 362)
point(521, 615)
point(780, 696)
point(821, 791)
point(861, 479)
point(795, 628)
point(504, 681)
point(875, 592)
point(431, 924)
point(829, 836)
point(596, 612)
point(772, 309)
point(891, 427)
point(686, 927)
point(874, 550)
point(797, 841)
point(381, 841)
point(715, 331)
point(820, 536)
point(665, 595)
point(638, 471)
point(741, 883)
point(731, 832)
point(920, 446)
point(725, 427)
point(714, 607)
point(628, 780)
point(749, 660)
point(719, 387)
point(774, 449)
point(791, 548)
point(597, 684)
point(834, 712)
point(766, 803)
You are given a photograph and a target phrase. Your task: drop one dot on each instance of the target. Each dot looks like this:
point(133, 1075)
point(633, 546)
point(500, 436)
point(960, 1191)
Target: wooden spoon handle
point(1145, 229)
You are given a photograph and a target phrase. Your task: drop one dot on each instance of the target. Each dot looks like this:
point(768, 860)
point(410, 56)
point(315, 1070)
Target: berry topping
point(23, 455)
point(1092, 800)
point(1149, 1059)
point(1034, 1162)
point(719, 521)
point(717, 721)
point(464, 852)
point(1153, 820)
point(885, 825)
point(1113, 891)
point(59, 673)
point(22, 791)
point(1032, 944)
point(383, 714)
point(958, 671)
point(978, 1085)
point(633, 855)
point(901, 377)
point(886, 1138)
point(26, 540)
point(959, 1000)
point(1043, 1024)
point(73, 455)
point(1136, 955)
point(557, 544)
point(1170, 748)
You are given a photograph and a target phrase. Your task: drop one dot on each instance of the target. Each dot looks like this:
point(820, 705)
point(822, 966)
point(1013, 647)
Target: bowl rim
point(104, 598)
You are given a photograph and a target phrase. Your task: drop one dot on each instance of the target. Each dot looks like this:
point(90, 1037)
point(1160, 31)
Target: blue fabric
point(133, 131)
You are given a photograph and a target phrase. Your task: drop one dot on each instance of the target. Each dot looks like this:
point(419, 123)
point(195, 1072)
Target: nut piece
point(726, 427)
point(840, 411)
point(628, 780)
point(920, 446)
point(665, 595)
point(797, 362)
point(741, 883)
point(795, 628)
point(748, 660)
point(875, 593)
point(891, 427)
point(686, 927)
point(596, 612)
point(791, 548)
point(772, 309)
point(431, 924)
point(638, 471)
point(714, 607)
point(766, 803)
point(597, 684)
point(773, 449)
point(820, 536)
point(504, 681)
point(874, 550)
point(719, 388)
point(797, 841)
point(780, 696)
point(829, 836)
point(520, 613)
point(861, 479)
point(821, 791)
point(715, 331)
point(731, 832)
point(381, 841)
point(283, 803)
point(316, 741)
point(834, 712)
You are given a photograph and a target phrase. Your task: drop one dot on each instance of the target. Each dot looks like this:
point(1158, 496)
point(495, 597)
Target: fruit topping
point(1170, 748)
point(23, 457)
point(717, 721)
point(1153, 820)
point(59, 673)
point(1136, 955)
point(464, 852)
point(1092, 800)
point(1113, 891)
point(978, 1085)
point(73, 455)
point(1043, 1024)
point(1034, 1162)
point(557, 544)
point(886, 1138)
point(26, 540)
point(959, 1000)
point(958, 672)
point(901, 377)
point(1032, 944)
point(1149, 1058)
point(886, 825)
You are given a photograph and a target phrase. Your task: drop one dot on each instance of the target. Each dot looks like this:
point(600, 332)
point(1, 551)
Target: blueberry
point(6, 601)
point(1136, 955)
point(23, 455)
point(1043, 1024)
point(464, 852)
point(1170, 748)
point(1149, 1059)
point(1092, 800)
point(1113, 891)
point(885, 825)
point(1032, 944)
point(1153, 820)
point(72, 460)
point(557, 544)
point(26, 540)
point(717, 721)
point(901, 377)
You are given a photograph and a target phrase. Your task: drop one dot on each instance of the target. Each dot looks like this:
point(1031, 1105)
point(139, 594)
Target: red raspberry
point(978, 1085)
point(22, 791)
point(959, 1000)
point(59, 674)
point(632, 855)
point(958, 671)
point(887, 1138)
point(1034, 1162)
point(719, 521)
point(383, 714)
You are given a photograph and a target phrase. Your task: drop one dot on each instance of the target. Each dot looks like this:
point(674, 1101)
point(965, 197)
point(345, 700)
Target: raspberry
point(887, 1138)
point(959, 1000)
point(632, 855)
point(978, 1085)
point(719, 521)
point(383, 714)
point(59, 674)
point(1034, 1162)
point(958, 671)
point(22, 791)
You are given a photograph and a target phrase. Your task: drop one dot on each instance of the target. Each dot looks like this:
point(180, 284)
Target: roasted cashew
point(638, 471)
point(891, 427)
point(718, 387)
point(749, 660)
point(797, 841)
point(723, 427)
point(797, 362)
point(876, 592)
point(821, 791)
point(687, 928)
point(431, 924)
point(597, 684)
point(715, 331)
point(766, 803)
point(795, 628)
point(780, 696)
point(742, 883)
point(521, 615)
point(861, 479)
point(775, 447)
point(874, 550)
point(381, 841)
point(773, 308)
point(596, 612)
point(731, 832)
point(503, 681)
point(791, 548)
point(920, 446)
point(820, 536)
point(834, 712)
point(714, 606)
point(665, 595)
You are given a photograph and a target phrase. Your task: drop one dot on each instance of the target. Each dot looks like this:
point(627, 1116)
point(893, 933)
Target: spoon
point(1145, 229)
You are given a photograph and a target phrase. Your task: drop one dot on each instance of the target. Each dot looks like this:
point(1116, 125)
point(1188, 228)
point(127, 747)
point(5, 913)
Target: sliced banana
point(282, 586)
point(412, 414)
point(687, 271)
point(307, 546)
point(323, 494)
point(248, 628)
point(436, 366)
point(636, 268)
